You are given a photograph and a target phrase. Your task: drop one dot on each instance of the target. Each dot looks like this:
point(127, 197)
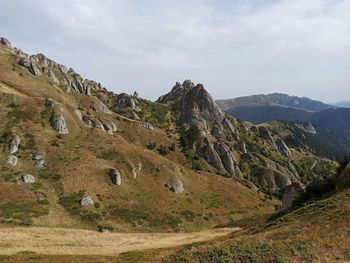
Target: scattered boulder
point(100, 106)
point(14, 144)
point(25, 62)
point(86, 201)
point(175, 185)
point(283, 148)
point(58, 123)
point(291, 193)
point(147, 126)
point(115, 176)
point(5, 42)
point(40, 163)
point(37, 157)
point(12, 160)
point(104, 230)
point(28, 178)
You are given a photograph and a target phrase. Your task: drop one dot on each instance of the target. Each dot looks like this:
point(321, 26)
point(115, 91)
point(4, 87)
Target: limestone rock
point(310, 129)
point(12, 160)
point(175, 185)
point(147, 126)
point(28, 178)
point(37, 157)
point(58, 123)
point(34, 70)
point(25, 62)
point(40, 163)
point(115, 176)
point(99, 106)
point(14, 144)
point(63, 68)
point(283, 148)
point(86, 201)
point(5, 42)
point(265, 134)
point(136, 95)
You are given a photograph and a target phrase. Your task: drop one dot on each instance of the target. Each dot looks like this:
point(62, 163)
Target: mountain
point(331, 124)
point(342, 104)
point(275, 99)
point(75, 155)
point(261, 114)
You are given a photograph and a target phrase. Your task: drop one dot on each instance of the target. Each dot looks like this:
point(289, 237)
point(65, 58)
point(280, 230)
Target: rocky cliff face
point(216, 137)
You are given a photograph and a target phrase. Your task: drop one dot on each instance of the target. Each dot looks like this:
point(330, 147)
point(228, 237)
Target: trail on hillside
point(61, 241)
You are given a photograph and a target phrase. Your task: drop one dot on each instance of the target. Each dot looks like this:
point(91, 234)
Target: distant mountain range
point(330, 121)
point(343, 104)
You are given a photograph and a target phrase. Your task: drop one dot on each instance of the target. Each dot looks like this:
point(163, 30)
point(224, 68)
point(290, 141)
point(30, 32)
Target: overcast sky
point(233, 47)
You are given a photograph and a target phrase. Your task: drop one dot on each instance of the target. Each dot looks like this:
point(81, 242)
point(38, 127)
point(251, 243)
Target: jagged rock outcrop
point(39, 64)
point(86, 201)
point(115, 176)
point(78, 114)
point(283, 148)
point(205, 123)
point(310, 129)
point(175, 185)
point(265, 134)
point(291, 193)
point(12, 160)
point(28, 178)
point(58, 123)
point(14, 143)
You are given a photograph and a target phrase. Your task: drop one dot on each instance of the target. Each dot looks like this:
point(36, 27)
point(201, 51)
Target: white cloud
point(234, 47)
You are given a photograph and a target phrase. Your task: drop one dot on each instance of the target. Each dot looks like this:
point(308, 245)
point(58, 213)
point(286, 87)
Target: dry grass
point(60, 241)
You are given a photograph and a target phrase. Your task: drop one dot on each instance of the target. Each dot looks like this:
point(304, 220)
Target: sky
point(233, 47)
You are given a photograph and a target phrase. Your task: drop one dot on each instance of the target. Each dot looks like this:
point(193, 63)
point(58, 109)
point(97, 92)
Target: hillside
point(77, 156)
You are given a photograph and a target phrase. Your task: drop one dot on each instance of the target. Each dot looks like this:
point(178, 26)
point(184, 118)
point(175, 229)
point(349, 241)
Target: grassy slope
point(80, 161)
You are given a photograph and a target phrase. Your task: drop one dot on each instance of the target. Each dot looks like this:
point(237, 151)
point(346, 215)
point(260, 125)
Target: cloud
point(234, 47)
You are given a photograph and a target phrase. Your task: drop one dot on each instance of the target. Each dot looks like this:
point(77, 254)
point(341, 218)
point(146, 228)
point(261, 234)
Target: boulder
point(58, 123)
point(86, 201)
point(37, 157)
point(283, 148)
point(99, 106)
point(136, 170)
point(240, 146)
point(147, 126)
point(104, 230)
point(40, 164)
point(50, 104)
point(115, 176)
point(12, 160)
point(5, 42)
point(14, 144)
point(175, 185)
point(136, 95)
point(28, 178)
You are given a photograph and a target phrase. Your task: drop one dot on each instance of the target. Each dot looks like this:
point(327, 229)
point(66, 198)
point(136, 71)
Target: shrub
point(163, 150)
point(152, 146)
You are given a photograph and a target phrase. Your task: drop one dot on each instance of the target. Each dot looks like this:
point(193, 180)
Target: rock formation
point(86, 201)
point(14, 144)
point(175, 185)
point(291, 193)
point(12, 160)
point(28, 178)
point(115, 176)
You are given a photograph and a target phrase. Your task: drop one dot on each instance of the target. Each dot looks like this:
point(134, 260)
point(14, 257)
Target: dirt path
point(61, 241)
